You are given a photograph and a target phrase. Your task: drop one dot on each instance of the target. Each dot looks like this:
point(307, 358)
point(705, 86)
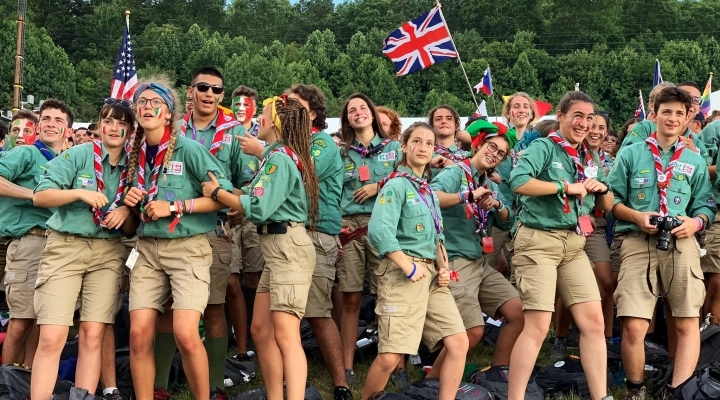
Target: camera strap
point(657, 272)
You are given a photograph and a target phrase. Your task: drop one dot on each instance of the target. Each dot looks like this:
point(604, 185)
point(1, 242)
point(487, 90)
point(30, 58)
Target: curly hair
point(316, 100)
point(395, 124)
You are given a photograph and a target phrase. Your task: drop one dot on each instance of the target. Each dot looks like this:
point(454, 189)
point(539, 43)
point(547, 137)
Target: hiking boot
point(636, 394)
point(349, 376)
point(343, 393)
point(161, 394)
point(400, 378)
point(115, 395)
point(218, 394)
point(559, 350)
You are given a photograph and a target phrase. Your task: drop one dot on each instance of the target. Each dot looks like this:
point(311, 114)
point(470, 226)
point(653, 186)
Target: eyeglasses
point(155, 103)
point(492, 148)
point(697, 100)
point(125, 103)
point(610, 139)
point(204, 87)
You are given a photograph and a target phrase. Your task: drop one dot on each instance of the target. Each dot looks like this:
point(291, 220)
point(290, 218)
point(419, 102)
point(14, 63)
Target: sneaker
point(115, 395)
point(218, 394)
point(343, 393)
point(349, 376)
point(559, 350)
point(161, 394)
point(400, 378)
point(636, 394)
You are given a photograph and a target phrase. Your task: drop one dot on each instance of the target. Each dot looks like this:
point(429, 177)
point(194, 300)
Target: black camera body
point(664, 226)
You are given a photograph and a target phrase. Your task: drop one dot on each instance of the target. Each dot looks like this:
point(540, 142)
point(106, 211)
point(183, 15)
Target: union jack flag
point(420, 43)
point(124, 80)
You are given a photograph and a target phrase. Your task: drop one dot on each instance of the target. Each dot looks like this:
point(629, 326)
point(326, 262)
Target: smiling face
point(419, 147)
point(671, 118)
point(53, 126)
point(520, 112)
point(206, 103)
point(598, 132)
point(444, 124)
point(359, 114)
point(491, 153)
point(609, 143)
point(576, 123)
point(243, 108)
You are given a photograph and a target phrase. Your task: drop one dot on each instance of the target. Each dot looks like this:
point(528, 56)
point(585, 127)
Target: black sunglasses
point(203, 87)
point(125, 103)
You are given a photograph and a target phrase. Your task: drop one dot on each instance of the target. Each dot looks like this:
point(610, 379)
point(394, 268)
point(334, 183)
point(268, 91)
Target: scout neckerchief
point(604, 159)
point(572, 152)
point(367, 152)
point(223, 123)
point(98, 214)
point(288, 151)
point(44, 150)
point(471, 208)
point(445, 152)
point(254, 129)
point(162, 149)
point(663, 178)
point(422, 189)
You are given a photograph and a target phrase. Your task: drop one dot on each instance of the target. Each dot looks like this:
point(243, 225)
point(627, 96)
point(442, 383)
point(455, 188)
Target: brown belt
point(423, 260)
point(37, 232)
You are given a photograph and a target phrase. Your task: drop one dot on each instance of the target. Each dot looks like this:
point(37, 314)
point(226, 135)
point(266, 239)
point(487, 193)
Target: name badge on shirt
point(227, 138)
point(390, 156)
point(684, 168)
point(85, 182)
point(175, 168)
point(558, 165)
point(591, 172)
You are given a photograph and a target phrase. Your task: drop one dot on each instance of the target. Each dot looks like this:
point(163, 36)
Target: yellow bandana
point(276, 118)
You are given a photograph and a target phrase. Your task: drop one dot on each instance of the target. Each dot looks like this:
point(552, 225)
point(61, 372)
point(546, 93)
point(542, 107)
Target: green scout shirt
point(461, 239)
point(454, 150)
point(189, 165)
point(634, 183)
point(710, 136)
point(75, 169)
point(643, 129)
point(277, 193)
point(381, 165)
point(329, 170)
point(23, 166)
point(402, 222)
point(547, 161)
point(239, 168)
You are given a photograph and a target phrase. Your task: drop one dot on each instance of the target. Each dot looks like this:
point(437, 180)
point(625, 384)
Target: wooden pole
point(19, 55)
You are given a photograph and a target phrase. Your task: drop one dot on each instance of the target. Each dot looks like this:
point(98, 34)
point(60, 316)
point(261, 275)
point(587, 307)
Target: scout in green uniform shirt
point(643, 129)
point(23, 166)
point(366, 166)
point(329, 169)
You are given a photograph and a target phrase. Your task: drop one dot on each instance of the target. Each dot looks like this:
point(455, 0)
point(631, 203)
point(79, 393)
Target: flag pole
point(437, 4)
point(127, 18)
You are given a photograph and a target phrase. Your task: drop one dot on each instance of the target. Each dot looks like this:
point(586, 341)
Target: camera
point(664, 225)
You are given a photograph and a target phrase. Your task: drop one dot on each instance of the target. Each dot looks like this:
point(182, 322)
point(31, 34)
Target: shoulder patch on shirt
point(711, 201)
point(350, 166)
point(227, 138)
point(175, 168)
point(270, 169)
point(557, 165)
point(684, 168)
point(316, 152)
point(259, 191)
point(389, 156)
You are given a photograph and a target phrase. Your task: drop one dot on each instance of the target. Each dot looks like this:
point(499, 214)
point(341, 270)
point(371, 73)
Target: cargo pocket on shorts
point(392, 324)
point(457, 291)
point(15, 277)
point(286, 288)
point(698, 290)
point(201, 273)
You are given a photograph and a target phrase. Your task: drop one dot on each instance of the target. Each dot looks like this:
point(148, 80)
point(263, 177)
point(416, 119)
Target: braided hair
point(295, 122)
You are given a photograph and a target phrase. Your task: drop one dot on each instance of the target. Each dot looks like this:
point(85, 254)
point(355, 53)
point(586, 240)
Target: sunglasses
point(125, 103)
point(204, 87)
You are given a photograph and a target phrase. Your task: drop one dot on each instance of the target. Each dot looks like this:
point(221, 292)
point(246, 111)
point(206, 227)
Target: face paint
point(576, 121)
point(262, 122)
point(16, 123)
point(30, 124)
point(157, 113)
point(104, 130)
point(62, 132)
point(412, 149)
point(122, 133)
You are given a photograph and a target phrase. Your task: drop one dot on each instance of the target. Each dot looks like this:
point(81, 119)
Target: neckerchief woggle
point(663, 178)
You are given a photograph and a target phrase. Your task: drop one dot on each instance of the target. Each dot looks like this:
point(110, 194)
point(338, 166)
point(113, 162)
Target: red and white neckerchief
point(423, 189)
point(162, 149)
point(471, 208)
point(445, 152)
point(223, 123)
point(285, 150)
point(663, 178)
point(98, 214)
point(572, 152)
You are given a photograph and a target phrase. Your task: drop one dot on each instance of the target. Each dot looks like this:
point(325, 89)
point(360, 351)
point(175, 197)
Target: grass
point(318, 377)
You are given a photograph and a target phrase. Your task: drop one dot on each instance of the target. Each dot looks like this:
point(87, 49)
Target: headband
point(273, 101)
point(161, 91)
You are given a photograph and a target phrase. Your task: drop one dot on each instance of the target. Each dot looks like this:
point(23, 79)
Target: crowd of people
point(192, 210)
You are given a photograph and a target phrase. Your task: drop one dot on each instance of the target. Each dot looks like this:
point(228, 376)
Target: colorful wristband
point(413, 272)
point(561, 187)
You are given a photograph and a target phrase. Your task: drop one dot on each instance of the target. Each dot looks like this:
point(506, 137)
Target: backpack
point(239, 372)
point(391, 396)
point(655, 354)
point(260, 394)
point(122, 324)
point(429, 389)
point(123, 376)
point(17, 383)
point(702, 385)
point(75, 394)
point(495, 379)
point(566, 377)
point(709, 354)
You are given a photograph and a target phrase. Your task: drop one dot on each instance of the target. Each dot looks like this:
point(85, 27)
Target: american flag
point(420, 43)
point(124, 80)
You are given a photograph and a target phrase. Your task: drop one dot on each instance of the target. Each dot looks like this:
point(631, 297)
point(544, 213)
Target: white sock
point(109, 390)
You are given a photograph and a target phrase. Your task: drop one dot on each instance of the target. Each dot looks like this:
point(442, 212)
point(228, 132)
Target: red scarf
point(223, 122)
point(98, 214)
point(572, 152)
point(663, 178)
point(152, 192)
point(287, 150)
point(471, 208)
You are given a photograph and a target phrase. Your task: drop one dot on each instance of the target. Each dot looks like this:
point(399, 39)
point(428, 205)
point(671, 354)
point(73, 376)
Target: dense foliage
point(539, 46)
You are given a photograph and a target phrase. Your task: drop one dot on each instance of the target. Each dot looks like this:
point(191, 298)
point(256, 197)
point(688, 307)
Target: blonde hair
point(508, 105)
point(140, 131)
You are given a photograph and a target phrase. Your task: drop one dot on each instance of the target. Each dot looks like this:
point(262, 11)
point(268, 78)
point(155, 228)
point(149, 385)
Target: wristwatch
point(502, 206)
point(172, 208)
point(215, 192)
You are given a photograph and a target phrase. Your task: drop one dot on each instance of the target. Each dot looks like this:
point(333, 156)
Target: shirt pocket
point(640, 191)
point(173, 188)
point(412, 217)
point(678, 194)
point(380, 170)
point(223, 154)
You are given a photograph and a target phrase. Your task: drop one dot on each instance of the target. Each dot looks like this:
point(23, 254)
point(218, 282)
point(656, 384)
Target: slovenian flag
point(485, 84)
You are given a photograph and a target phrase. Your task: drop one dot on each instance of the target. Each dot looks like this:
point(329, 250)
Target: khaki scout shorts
point(4, 244)
point(74, 265)
point(679, 270)
point(289, 265)
point(481, 289)
point(319, 304)
point(615, 255)
point(171, 267)
point(596, 247)
point(500, 239)
point(358, 256)
point(220, 268)
point(546, 260)
point(250, 256)
point(23, 261)
point(409, 312)
point(711, 262)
